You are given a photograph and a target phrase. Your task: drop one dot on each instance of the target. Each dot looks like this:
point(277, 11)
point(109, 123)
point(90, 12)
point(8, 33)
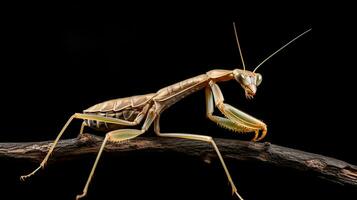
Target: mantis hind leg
point(44, 161)
point(77, 116)
point(199, 138)
point(82, 128)
point(114, 136)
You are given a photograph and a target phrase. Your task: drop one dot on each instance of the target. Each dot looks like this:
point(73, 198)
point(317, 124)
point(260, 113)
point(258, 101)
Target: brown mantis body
point(115, 116)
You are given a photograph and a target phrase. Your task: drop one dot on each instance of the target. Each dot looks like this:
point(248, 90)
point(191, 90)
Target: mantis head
point(248, 80)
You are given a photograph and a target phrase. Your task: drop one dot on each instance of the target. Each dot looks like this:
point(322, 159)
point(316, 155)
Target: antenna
point(281, 48)
point(240, 51)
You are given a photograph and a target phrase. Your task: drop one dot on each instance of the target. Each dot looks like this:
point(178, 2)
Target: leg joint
point(209, 115)
point(210, 139)
point(220, 105)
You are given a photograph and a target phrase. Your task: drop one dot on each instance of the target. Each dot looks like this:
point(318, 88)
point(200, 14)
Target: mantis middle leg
point(116, 136)
point(199, 138)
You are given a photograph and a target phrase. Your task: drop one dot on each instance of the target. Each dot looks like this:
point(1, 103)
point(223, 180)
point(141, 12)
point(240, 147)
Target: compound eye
point(259, 79)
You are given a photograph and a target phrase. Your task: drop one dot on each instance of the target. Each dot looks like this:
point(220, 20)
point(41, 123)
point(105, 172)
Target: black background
point(61, 59)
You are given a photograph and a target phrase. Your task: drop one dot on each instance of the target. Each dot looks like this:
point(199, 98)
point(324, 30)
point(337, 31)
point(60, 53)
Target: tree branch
point(324, 167)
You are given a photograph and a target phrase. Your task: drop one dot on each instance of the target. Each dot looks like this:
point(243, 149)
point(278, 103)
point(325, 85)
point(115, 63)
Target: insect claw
point(24, 177)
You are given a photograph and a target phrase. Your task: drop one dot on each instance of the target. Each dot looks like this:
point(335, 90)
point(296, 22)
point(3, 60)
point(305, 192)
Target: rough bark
point(324, 167)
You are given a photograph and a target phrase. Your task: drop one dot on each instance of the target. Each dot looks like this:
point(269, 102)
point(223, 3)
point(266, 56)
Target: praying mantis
point(118, 116)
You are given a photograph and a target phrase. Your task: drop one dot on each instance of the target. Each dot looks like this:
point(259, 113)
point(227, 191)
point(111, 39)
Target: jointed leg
point(235, 120)
point(200, 138)
point(77, 116)
point(44, 161)
point(117, 136)
point(221, 121)
point(114, 136)
point(82, 128)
